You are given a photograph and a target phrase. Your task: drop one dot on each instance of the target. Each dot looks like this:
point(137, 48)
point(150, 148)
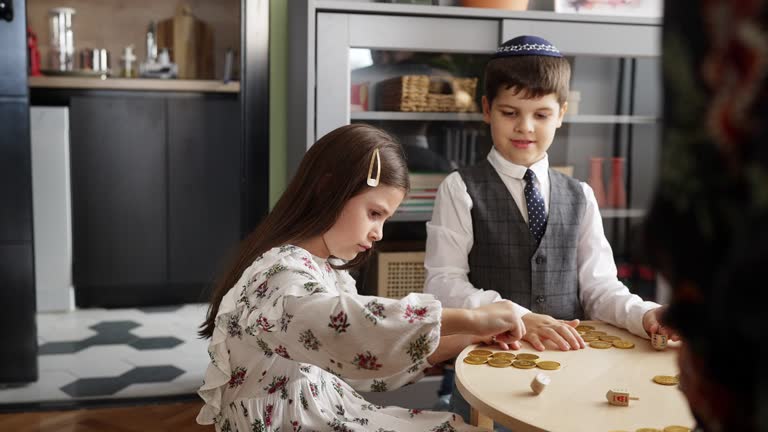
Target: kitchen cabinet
point(155, 196)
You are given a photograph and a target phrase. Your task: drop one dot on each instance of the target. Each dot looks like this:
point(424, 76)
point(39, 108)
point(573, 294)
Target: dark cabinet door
point(119, 198)
point(204, 189)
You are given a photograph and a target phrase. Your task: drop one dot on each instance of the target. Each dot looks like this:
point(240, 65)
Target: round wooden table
point(575, 399)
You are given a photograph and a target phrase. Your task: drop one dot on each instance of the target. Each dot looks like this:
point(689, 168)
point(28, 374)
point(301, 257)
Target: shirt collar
point(507, 168)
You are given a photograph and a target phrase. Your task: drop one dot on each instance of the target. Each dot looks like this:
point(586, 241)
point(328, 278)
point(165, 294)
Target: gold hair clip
point(373, 182)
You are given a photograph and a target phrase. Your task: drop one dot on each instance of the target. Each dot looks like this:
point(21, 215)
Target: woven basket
point(422, 93)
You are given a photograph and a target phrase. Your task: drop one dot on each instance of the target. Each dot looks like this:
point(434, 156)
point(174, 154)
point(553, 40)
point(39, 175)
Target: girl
point(292, 341)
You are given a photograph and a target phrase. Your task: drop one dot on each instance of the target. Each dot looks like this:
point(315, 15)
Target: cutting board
point(190, 42)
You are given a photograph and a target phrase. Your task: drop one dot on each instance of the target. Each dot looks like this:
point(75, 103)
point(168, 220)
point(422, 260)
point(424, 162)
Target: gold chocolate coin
point(503, 355)
point(475, 360)
point(609, 338)
point(675, 428)
point(665, 380)
point(527, 356)
point(548, 365)
point(584, 328)
point(524, 364)
point(596, 333)
point(480, 353)
point(590, 338)
point(499, 362)
point(600, 344)
point(623, 344)
point(648, 430)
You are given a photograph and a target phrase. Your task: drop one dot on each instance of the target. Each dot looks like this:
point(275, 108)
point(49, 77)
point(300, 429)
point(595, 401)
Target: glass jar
point(62, 39)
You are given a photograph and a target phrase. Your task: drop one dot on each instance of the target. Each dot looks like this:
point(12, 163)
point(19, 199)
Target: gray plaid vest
point(504, 256)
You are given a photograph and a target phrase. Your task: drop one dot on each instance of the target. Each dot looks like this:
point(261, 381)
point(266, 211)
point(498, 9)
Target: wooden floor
point(176, 417)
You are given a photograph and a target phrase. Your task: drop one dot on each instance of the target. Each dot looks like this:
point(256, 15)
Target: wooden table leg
point(478, 419)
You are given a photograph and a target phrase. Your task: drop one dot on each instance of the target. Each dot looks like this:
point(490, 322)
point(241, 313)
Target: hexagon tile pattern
point(106, 386)
point(110, 333)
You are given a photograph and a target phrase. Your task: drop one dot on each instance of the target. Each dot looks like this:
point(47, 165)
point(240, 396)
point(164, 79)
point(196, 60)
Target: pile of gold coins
point(602, 340)
point(504, 359)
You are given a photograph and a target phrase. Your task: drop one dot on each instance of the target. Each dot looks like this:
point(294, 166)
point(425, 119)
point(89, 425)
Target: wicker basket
point(400, 273)
point(422, 93)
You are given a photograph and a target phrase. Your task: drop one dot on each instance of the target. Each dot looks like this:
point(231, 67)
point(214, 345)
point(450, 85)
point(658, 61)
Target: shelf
point(611, 119)
point(622, 213)
point(476, 117)
point(411, 217)
point(470, 12)
point(415, 116)
point(96, 83)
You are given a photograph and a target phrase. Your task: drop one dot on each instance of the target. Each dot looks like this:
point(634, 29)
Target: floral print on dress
point(275, 269)
point(337, 386)
point(282, 352)
point(445, 427)
point(308, 339)
point(264, 347)
point(238, 377)
point(419, 348)
point(261, 290)
point(278, 383)
point(414, 412)
point(366, 360)
point(303, 400)
point(234, 329)
point(263, 323)
point(313, 389)
point(413, 314)
point(374, 311)
point(379, 386)
point(308, 263)
point(339, 322)
point(338, 426)
point(285, 319)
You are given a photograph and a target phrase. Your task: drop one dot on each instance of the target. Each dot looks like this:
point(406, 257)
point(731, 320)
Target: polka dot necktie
point(537, 214)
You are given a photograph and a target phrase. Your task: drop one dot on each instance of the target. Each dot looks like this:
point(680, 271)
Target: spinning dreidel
point(659, 341)
point(540, 382)
point(619, 397)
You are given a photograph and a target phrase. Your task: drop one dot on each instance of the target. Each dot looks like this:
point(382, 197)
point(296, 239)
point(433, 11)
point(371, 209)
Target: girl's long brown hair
point(334, 170)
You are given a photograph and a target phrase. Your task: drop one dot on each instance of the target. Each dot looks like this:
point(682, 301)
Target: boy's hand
point(652, 323)
point(541, 328)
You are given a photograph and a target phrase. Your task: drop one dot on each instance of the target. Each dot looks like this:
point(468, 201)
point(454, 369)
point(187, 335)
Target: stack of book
point(421, 199)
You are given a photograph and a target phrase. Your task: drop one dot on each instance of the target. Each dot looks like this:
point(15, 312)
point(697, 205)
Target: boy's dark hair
point(333, 171)
point(533, 75)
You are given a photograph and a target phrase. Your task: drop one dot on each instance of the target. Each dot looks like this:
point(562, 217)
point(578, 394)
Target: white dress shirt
point(450, 239)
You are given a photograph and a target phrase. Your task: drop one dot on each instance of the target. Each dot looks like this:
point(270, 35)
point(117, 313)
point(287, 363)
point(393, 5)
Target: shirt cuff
point(636, 314)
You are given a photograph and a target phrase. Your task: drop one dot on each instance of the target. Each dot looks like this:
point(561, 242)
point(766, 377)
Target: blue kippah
point(526, 46)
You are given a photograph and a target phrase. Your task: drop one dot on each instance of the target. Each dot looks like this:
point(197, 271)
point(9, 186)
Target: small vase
point(617, 192)
point(596, 180)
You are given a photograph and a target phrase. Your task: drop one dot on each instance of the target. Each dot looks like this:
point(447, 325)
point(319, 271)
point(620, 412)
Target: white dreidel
point(619, 397)
point(659, 341)
point(540, 382)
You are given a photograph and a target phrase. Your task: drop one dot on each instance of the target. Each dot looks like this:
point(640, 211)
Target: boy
point(510, 227)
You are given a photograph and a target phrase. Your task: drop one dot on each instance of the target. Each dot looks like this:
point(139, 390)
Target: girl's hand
point(498, 320)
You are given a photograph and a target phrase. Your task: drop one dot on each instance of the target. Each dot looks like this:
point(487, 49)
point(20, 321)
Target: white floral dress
point(293, 340)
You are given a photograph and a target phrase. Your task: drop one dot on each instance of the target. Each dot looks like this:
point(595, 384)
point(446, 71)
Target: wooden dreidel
point(659, 341)
point(619, 397)
point(540, 382)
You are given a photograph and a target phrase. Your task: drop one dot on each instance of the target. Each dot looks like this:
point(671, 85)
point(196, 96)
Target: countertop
point(176, 85)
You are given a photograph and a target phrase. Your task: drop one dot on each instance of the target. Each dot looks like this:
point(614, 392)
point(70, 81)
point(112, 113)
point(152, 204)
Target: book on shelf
point(426, 180)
